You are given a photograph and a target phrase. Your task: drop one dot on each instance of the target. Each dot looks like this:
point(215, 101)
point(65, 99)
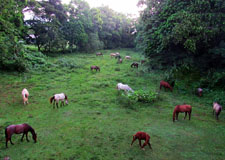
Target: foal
point(142, 136)
point(165, 85)
point(25, 95)
point(18, 129)
point(59, 97)
point(217, 108)
point(182, 108)
point(97, 68)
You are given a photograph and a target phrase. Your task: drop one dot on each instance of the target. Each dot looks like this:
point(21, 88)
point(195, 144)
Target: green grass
point(97, 124)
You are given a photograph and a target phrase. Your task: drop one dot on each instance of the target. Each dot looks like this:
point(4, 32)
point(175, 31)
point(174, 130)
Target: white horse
point(127, 57)
point(113, 55)
point(217, 108)
point(125, 87)
point(25, 95)
point(59, 97)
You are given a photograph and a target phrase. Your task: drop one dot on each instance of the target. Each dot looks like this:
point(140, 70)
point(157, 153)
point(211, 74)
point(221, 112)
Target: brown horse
point(217, 108)
point(18, 129)
point(97, 68)
point(165, 85)
point(142, 136)
point(135, 64)
point(182, 108)
point(99, 54)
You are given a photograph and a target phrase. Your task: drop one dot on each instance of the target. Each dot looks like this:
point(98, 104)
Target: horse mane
point(51, 99)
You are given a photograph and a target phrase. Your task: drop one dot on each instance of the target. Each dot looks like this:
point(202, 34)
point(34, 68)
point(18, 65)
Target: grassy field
point(97, 124)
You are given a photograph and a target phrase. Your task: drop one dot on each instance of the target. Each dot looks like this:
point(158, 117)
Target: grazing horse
point(113, 55)
point(199, 92)
point(18, 129)
point(97, 68)
point(217, 108)
point(120, 60)
point(165, 85)
point(142, 136)
point(135, 64)
point(182, 108)
point(127, 57)
point(25, 95)
point(99, 54)
point(59, 97)
point(143, 61)
point(125, 87)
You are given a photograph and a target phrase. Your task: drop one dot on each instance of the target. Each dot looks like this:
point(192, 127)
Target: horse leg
point(185, 115)
point(57, 102)
point(139, 142)
point(217, 118)
point(6, 142)
point(149, 145)
point(177, 115)
point(213, 111)
point(54, 104)
point(27, 137)
point(189, 113)
point(11, 141)
point(22, 137)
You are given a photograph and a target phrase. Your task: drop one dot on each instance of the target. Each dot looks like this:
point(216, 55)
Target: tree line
point(57, 27)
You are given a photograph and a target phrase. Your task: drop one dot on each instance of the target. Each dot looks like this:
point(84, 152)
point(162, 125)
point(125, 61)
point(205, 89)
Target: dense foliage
point(185, 35)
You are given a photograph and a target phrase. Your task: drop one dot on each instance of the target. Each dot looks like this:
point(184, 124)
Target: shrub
point(67, 63)
point(141, 96)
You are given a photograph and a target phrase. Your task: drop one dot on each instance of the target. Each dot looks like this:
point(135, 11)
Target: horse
point(113, 55)
point(25, 95)
point(142, 136)
point(182, 108)
point(143, 61)
point(127, 57)
point(18, 129)
point(97, 68)
point(125, 87)
point(59, 97)
point(217, 108)
point(120, 60)
point(117, 53)
point(99, 54)
point(134, 64)
point(165, 85)
point(199, 92)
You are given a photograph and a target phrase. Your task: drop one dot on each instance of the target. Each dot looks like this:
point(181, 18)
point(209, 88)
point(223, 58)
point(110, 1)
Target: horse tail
point(26, 95)
point(6, 135)
point(51, 99)
point(65, 96)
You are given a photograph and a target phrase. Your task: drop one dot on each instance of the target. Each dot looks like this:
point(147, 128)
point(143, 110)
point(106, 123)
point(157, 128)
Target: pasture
point(97, 124)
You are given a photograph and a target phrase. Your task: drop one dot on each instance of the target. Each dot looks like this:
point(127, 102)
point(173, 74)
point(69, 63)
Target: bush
point(141, 96)
point(67, 63)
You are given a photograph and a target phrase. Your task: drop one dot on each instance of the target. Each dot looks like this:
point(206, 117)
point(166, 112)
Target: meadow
point(97, 124)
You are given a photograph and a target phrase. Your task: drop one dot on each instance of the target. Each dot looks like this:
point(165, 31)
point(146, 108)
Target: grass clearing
point(97, 124)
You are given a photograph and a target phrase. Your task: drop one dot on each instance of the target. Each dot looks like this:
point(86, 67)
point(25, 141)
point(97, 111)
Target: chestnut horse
point(165, 85)
point(182, 108)
point(142, 136)
point(18, 129)
point(25, 95)
point(217, 108)
point(135, 64)
point(59, 97)
point(97, 68)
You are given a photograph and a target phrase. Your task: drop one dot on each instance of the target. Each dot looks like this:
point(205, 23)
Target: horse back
point(184, 108)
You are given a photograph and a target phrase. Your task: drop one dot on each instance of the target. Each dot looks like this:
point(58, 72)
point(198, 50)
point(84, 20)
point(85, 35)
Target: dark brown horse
point(97, 68)
point(182, 108)
point(165, 85)
point(18, 129)
point(142, 136)
point(135, 64)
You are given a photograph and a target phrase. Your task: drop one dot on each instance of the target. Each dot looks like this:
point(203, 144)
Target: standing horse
point(165, 85)
point(127, 57)
point(125, 87)
point(217, 108)
point(97, 68)
point(182, 108)
point(135, 64)
point(25, 95)
point(59, 97)
point(142, 136)
point(18, 129)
